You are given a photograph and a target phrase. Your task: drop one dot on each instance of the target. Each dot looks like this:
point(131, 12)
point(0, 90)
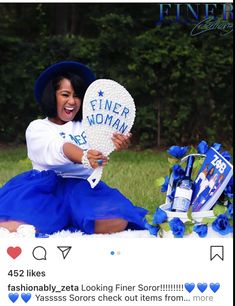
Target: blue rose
point(159, 216)
point(153, 230)
point(177, 227)
point(177, 172)
point(227, 155)
point(201, 230)
point(177, 151)
point(228, 191)
point(221, 225)
point(202, 147)
point(216, 146)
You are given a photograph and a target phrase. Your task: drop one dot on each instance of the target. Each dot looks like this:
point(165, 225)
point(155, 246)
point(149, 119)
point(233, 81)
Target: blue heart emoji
point(189, 287)
point(214, 287)
point(202, 287)
point(13, 297)
point(26, 297)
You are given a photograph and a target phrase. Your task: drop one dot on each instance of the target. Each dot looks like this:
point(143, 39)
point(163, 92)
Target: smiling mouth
point(69, 110)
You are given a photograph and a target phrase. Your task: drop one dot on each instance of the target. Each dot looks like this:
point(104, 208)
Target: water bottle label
point(183, 193)
point(181, 204)
point(182, 199)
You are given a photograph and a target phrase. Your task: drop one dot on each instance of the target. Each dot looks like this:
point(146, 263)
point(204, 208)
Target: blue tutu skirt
point(52, 203)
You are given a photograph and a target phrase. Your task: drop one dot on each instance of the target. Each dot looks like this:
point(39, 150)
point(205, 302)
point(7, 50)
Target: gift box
point(211, 223)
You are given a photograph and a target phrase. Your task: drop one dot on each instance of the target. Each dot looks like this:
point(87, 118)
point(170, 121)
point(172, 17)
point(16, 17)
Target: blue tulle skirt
point(52, 203)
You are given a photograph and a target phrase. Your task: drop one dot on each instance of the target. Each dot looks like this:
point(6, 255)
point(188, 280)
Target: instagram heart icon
point(14, 252)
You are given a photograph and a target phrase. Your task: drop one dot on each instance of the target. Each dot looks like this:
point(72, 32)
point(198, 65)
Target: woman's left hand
point(121, 141)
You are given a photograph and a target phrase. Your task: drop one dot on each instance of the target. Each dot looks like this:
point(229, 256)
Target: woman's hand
point(121, 141)
point(96, 158)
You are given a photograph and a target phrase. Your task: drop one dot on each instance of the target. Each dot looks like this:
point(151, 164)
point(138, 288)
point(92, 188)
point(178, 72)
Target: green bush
point(183, 81)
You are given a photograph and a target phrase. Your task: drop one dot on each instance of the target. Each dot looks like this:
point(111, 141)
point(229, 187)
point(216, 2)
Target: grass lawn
point(133, 173)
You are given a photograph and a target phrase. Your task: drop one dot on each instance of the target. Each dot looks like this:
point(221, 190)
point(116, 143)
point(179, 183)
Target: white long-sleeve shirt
point(45, 141)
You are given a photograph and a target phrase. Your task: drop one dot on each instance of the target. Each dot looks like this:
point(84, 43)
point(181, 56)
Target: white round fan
point(107, 108)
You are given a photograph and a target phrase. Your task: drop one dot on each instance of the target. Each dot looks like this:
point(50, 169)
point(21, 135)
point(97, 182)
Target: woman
point(55, 195)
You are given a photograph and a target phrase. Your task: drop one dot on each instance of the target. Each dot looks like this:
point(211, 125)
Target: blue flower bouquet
point(208, 216)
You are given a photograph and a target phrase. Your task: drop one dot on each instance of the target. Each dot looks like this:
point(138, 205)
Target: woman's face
point(68, 104)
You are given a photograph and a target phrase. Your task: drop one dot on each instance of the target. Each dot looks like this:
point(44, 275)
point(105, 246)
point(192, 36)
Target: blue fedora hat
point(59, 68)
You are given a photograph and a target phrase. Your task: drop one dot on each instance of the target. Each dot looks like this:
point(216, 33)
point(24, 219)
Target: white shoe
point(26, 230)
point(4, 232)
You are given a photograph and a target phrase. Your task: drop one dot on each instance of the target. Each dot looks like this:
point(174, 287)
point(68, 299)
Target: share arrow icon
point(64, 250)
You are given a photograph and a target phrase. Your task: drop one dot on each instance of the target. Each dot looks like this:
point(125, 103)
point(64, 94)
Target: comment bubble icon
point(39, 253)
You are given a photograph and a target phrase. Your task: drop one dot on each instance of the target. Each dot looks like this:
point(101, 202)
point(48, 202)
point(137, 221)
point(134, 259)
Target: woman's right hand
point(96, 158)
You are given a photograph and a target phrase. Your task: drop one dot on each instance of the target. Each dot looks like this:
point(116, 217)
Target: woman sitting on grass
point(55, 195)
